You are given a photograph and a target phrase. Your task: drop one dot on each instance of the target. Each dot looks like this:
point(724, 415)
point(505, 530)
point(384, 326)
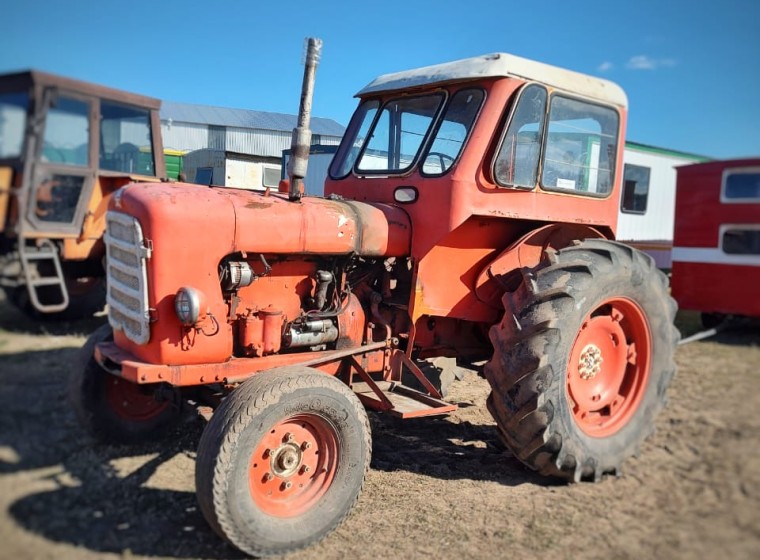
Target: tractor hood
point(219, 221)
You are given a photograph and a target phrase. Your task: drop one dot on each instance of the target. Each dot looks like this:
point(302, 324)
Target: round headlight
point(187, 306)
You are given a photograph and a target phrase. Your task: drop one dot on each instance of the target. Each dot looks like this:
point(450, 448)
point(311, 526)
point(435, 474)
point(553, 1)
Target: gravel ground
point(438, 487)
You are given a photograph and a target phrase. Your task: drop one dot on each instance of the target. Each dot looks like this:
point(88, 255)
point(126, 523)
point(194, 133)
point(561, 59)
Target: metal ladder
point(31, 255)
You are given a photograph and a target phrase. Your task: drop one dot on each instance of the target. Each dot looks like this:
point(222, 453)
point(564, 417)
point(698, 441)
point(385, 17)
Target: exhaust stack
point(301, 140)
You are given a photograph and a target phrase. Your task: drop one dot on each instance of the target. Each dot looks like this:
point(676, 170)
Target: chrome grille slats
point(126, 271)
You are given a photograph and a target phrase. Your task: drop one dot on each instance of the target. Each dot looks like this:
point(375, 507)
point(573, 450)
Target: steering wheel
point(442, 158)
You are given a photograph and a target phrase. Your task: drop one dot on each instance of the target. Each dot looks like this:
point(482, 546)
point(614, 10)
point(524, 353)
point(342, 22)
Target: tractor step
point(400, 400)
point(36, 276)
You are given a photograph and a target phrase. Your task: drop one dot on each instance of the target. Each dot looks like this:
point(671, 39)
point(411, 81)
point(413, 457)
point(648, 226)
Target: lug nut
point(286, 485)
point(305, 469)
point(267, 453)
point(288, 437)
point(268, 477)
point(305, 445)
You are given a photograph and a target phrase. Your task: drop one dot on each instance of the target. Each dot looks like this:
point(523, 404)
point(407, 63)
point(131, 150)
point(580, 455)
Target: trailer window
point(126, 143)
point(580, 148)
point(453, 130)
point(741, 185)
point(66, 138)
point(739, 241)
point(517, 162)
point(635, 189)
point(13, 108)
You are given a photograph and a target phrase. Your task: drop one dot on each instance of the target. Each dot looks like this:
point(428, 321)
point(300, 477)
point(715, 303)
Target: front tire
point(283, 460)
point(582, 360)
point(114, 410)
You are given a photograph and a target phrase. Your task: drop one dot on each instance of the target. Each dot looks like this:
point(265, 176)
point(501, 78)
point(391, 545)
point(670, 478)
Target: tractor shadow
point(141, 499)
point(446, 449)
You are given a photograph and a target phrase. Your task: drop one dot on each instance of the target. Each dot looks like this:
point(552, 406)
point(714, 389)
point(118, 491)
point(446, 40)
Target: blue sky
point(691, 69)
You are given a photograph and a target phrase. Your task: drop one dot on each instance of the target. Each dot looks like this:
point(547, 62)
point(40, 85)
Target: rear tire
point(283, 460)
point(582, 360)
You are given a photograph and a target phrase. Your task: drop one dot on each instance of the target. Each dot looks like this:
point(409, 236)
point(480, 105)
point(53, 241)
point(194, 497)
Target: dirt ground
point(438, 488)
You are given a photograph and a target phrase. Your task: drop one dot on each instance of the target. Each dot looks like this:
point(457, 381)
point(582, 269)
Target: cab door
point(63, 163)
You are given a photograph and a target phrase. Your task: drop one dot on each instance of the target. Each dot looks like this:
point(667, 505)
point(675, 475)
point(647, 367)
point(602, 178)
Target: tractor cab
point(481, 152)
point(65, 146)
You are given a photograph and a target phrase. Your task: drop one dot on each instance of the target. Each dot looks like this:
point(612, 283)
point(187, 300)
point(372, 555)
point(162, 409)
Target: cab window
point(398, 134)
point(516, 164)
point(13, 107)
point(66, 138)
point(580, 148)
point(453, 130)
point(125, 138)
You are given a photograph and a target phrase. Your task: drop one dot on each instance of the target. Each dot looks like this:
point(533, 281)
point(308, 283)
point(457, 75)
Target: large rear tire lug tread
point(520, 400)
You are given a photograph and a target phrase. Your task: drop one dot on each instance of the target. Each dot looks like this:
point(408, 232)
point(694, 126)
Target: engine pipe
point(301, 139)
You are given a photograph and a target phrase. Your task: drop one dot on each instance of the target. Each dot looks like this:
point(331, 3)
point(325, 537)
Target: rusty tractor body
point(469, 218)
point(65, 147)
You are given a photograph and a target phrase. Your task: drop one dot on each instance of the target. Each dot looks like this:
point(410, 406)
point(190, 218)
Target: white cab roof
point(500, 65)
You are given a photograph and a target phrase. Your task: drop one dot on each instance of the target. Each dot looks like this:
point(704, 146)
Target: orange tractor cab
point(65, 147)
point(469, 218)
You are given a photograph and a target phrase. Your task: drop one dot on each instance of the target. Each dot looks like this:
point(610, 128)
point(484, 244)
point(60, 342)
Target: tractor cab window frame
point(388, 140)
point(126, 139)
point(558, 143)
point(354, 138)
point(452, 131)
point(580, 138)
point(519, 152)
point(63, 169)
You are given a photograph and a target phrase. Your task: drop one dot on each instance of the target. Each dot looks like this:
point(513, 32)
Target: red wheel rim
point(293, 465)
point(609, 367)
point(129, 401)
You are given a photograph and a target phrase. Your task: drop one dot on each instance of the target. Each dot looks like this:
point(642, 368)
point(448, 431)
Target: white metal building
point(239, 147)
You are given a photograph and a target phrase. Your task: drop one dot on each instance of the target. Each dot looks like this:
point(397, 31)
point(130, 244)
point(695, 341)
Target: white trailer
point(648, 197)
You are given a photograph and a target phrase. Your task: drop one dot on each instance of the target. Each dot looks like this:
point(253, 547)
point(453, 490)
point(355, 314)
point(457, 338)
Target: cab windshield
point(387, 140)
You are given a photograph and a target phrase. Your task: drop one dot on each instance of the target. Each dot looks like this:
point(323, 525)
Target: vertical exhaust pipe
point(301, 140)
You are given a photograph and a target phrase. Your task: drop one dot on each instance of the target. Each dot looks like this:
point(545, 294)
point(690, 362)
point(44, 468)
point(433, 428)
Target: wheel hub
point(293, 465)
point(614, 335)
point(590, 362)
point(286, 460)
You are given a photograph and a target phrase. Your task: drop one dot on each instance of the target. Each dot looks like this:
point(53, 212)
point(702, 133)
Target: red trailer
point(716, 244)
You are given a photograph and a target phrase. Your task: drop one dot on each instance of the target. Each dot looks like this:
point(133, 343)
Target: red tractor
point(469, 217)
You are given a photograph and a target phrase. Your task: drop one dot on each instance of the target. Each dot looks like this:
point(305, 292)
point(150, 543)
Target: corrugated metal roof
point(244, 118)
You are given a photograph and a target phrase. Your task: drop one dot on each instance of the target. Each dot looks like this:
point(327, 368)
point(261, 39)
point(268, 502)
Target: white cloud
point(644, 62)
point(605, 66)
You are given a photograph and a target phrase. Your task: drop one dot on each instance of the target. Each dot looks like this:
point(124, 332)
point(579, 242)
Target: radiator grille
point(127, 277)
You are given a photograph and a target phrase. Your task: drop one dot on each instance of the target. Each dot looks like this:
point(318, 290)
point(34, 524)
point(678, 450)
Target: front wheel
point(114, 410)
point(582, 361)
point(283, 460)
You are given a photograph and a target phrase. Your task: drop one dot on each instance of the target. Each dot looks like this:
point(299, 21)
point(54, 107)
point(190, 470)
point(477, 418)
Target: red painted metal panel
point(699, 211)
point(717, 288)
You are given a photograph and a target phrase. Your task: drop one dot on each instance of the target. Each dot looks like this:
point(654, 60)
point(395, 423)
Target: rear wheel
point(582, 362)
point(283, 460)
point(115, 410)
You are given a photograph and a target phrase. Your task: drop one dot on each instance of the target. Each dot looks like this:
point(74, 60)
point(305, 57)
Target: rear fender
point(502, 273)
